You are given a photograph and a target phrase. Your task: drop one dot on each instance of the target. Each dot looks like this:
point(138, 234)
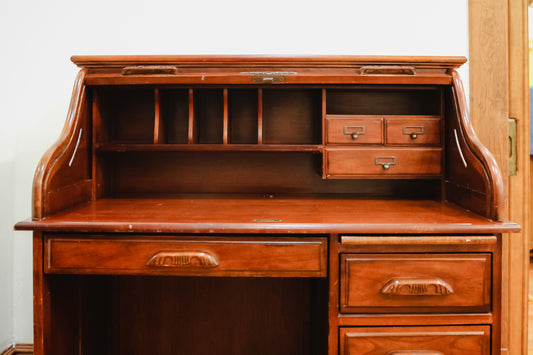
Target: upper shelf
point(313, 148)
point(273, 119)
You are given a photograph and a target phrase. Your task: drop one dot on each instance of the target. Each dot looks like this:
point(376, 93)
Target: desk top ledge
point(270, 60)
point(279, 215)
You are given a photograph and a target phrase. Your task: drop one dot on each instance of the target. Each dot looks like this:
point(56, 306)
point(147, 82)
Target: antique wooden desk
point(267, 205)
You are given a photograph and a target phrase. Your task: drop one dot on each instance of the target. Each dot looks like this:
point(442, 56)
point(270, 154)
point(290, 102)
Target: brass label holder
point(269, 77)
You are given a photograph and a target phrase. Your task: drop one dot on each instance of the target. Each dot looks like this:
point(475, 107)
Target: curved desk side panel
point(473, 179)
point(63, 176)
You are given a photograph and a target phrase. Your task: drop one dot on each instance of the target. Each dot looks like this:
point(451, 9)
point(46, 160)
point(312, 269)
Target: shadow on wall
point(6, 254)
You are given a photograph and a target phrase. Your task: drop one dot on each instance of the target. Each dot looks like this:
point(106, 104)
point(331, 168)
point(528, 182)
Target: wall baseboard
point(23, 349)
point(8, 351)
point(18, 349)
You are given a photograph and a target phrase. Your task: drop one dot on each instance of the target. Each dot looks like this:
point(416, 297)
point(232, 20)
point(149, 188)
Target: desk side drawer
point(194, 256)
point(413, 131)
point(467, 340)
point(354, 130)
point(383, 162)
point(416, 283)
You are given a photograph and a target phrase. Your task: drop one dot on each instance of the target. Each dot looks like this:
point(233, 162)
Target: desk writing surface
point(268, 215)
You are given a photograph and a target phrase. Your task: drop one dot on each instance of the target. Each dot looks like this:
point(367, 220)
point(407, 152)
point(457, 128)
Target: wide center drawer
point(415, 283)
point(382, 162)
point(187, 255)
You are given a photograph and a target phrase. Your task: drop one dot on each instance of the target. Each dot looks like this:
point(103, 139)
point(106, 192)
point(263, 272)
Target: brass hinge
point(512, 146)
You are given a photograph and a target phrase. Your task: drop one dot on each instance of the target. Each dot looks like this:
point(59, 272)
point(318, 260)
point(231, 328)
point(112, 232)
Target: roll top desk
point(267, 205)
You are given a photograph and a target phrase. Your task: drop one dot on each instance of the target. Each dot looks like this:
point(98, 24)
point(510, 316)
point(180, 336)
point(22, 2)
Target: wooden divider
point(260, 116)
point(192, 139)
point(225, 132)
point(158, 124)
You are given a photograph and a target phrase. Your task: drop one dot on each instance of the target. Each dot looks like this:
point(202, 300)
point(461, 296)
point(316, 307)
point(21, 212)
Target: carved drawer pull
point(179, 259)
point(387, 70)
point(414, 286)
point(414, 352)
point(150, 69)
point(354, 131)
point(413, 131)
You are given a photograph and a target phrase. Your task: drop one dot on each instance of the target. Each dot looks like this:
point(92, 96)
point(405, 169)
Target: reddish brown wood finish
point(313, 148)
point(191, 69)
point(354, 130)
point(382, 100)
point(427, 245)
point(243, 120)
point(62, 176)
point(192, 137)
point(477, 183)
point(186, 256)
point(379, 163)
point(158, 125)
point(217, 315)
point(225, 128)
point(411, 283)
point(269, 215)
point(173, 168)
point(413, 130)
point(210, 61)
point(260, 116)
point(415, 340)
point(41, 299)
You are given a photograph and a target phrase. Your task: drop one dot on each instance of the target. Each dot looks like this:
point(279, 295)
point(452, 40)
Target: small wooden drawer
point(467, 340)
point(413, 131)
point(354, 130)
point(415, 283)
point(195, 256)
point(381, 162)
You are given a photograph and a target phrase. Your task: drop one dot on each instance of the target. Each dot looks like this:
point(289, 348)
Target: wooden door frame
point(499, 89)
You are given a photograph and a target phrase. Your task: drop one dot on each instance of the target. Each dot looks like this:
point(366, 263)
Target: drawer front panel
point(413, 131)
point(459, 340)
point(381, 162)
point(354, 130)
point(415, 283)
point(195, 256)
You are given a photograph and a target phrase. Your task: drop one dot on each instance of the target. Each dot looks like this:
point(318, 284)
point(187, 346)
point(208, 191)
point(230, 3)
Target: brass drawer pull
point(413, 131)
point(416, 286)
point(414, 352)
point(354, 131)
point(386, 162)
point(182, 259)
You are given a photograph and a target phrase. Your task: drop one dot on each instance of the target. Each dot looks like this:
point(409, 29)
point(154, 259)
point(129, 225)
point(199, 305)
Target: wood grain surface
point(288, 215)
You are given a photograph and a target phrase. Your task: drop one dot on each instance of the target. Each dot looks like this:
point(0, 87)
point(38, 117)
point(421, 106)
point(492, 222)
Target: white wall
point(6, 236)
point(36, 77)
point(7, 159)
